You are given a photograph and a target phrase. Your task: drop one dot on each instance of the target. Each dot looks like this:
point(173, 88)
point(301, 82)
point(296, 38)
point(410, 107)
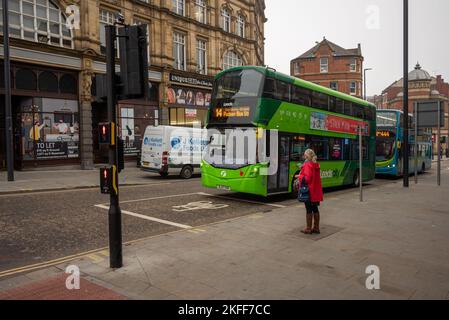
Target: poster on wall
point(188, 97)
point(128, 131)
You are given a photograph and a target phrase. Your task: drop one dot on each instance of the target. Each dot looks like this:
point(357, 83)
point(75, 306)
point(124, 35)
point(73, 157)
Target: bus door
point(279, 182)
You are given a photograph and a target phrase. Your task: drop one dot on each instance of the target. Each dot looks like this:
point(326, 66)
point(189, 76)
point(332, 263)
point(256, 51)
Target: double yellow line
point(47, 263)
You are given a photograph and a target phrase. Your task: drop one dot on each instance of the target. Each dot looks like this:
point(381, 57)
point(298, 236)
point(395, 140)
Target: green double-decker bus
point(287, 115)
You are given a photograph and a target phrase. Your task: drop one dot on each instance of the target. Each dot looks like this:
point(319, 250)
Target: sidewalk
point(49, 180)
point(264, 255)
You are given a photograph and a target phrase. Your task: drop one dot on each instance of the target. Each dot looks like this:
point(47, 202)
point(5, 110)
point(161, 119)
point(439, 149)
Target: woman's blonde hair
point(311, 156)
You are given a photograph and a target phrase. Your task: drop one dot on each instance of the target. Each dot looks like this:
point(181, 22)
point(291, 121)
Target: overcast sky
point(294, 25)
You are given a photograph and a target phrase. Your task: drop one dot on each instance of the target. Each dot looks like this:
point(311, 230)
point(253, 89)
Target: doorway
point(279, 182)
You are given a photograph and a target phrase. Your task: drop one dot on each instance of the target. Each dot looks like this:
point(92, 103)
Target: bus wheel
point(356, 179)
point(163, 174)
point(187, 172)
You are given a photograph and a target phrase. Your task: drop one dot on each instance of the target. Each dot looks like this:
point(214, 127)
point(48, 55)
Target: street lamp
point(405, 101)
point(8, 111)
point(364, 81)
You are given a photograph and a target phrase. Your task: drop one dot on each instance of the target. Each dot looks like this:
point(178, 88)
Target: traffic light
point(134, 61)
point(106, 176)
point(106, 133)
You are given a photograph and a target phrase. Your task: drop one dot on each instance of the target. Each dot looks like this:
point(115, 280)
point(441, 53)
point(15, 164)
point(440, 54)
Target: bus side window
point(332, 104)
point(320, 101)
point(300, 96)
point(339, 106)
point(348, 109)
point(335, 149)
point(321, 147)
point(269, 90)
point(282, 91)
point(298, 148)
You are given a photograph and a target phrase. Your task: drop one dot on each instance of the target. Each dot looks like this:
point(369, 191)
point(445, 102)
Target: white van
point(173, 150)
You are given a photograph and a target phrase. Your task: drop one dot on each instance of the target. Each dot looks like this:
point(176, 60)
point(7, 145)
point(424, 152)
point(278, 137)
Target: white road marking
point(141, 216)
point(159, 198)
point(242, 200)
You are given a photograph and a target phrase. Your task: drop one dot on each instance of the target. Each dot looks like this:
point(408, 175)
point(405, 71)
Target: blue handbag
point(303, 192)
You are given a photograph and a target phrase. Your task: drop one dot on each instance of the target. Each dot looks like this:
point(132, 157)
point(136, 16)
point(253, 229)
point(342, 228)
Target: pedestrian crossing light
point(106, 180)
point(106, 134)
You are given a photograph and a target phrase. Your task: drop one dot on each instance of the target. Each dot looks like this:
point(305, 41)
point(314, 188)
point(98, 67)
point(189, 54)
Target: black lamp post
point(8, 111)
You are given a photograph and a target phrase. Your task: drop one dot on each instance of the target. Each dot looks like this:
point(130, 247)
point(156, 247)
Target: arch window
point(26, 79)
point(39, 21)
point(232, 59)
point(48, 82)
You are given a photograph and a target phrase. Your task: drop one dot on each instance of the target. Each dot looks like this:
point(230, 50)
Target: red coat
point(311, 171)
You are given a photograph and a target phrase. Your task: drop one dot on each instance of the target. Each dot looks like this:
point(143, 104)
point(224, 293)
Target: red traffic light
point(105, 180)
point(106, 133)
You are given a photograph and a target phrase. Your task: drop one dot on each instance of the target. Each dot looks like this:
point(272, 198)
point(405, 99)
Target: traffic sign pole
point(115, 214)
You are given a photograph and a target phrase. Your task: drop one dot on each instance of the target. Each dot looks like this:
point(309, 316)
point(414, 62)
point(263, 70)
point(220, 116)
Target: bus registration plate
point(226, 188)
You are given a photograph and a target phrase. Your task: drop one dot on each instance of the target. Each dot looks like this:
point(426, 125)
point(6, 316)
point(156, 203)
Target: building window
point(324, 65)
point(201, 56)
point(226, 20)
point(179, 51)
point(334, 86)
point(179, 7)
point(41, 22)
point(241, 26)
point(107, 18)
point(139, 22)
point(353, 65)
point(201, 11)
point(296, 69)
point(352, 87)
point(231, 59)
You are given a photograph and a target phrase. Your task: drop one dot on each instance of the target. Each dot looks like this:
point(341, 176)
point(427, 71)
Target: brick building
point(422, 87)
point(53, 67)
point(331, 66)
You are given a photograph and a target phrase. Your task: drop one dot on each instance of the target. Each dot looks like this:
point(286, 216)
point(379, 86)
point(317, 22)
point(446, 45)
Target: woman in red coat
point(311, 172)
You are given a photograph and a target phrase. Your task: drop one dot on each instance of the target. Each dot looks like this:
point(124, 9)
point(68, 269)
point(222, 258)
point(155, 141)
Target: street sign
point(428, 114)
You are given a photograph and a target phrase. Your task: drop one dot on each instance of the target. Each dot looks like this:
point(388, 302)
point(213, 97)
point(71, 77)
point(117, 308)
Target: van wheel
point(163, 174)
point(356, 179)
point(187, 172)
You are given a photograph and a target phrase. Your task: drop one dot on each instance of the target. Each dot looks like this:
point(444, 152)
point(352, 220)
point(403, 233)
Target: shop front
point(134, 116)
point(45, 111)
point(188, 100)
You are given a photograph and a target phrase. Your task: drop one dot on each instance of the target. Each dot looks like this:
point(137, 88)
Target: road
point(42, 226)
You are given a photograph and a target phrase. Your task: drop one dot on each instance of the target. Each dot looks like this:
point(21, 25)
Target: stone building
point(332, 66)
point(422, 87)
point(54, 68)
